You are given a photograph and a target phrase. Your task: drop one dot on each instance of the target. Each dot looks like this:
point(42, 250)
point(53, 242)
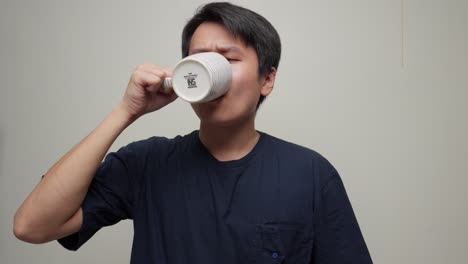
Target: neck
point(229, 142)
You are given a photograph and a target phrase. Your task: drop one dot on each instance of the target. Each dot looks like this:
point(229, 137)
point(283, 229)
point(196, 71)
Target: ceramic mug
point(200, 77)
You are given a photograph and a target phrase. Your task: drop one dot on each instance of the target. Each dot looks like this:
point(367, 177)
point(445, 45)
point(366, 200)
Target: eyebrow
point(221, 49)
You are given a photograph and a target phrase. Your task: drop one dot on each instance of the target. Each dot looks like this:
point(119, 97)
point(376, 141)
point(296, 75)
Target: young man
point(226, 193)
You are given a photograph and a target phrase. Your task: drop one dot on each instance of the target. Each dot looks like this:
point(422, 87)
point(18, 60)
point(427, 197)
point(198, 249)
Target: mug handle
point(167, 84)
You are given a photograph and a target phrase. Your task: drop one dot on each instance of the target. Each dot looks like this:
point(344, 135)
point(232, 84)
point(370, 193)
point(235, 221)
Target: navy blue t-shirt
point(281, 203)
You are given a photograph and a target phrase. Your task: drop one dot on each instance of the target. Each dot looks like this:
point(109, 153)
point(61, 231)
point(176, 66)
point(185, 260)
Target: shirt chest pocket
point(282, 243)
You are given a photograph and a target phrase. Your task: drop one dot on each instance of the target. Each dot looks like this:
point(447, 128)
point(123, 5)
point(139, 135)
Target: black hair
point(253, 29)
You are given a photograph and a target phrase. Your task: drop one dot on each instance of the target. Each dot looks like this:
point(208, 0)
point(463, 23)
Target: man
point(226, 193)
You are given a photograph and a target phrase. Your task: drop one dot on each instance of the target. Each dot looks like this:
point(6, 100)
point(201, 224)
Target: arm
point(53, 209)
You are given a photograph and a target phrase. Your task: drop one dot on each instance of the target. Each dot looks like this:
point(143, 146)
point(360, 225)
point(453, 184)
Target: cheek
point(236, 73)
point(244, 79)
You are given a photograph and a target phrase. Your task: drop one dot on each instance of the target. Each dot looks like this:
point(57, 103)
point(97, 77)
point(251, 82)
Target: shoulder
point(286, 148)
point(297, 156)
point(160, 144)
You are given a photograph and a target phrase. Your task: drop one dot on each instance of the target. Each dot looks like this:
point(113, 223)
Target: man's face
point(239, 103)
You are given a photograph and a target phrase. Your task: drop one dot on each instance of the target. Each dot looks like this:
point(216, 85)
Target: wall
point(377, 87)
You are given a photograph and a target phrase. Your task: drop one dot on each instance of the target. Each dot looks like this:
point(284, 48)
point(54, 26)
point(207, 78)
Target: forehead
point(214, 36)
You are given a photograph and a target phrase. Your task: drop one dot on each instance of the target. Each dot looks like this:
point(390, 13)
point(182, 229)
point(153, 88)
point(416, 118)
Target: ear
point(268, 82)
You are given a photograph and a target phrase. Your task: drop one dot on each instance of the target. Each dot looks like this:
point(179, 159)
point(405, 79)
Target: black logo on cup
point(191, 83)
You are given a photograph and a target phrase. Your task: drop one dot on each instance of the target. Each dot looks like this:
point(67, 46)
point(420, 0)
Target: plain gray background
point(378, 87)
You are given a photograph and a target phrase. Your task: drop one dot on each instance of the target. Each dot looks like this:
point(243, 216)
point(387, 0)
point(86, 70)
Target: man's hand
point(145, 93)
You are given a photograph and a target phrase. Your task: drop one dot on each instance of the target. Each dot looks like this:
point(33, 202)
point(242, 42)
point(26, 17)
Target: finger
point(168, 71)
point(169, 95)
point(149, 81)
point(163, 74)
point(167, 91)
point(157, 72)
point(150, 67)
point(145, 65)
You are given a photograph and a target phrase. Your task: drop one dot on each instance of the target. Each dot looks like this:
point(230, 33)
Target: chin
point(216, 119)
point(218, 112)
point(223, 119)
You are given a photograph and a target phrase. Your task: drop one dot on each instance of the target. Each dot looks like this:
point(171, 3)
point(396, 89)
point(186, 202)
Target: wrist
point(120, 112)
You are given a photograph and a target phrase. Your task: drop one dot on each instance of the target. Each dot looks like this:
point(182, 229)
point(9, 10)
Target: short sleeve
point(110, 196)
point(338, 238)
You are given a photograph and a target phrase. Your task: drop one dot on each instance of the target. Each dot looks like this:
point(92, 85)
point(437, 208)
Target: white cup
point(201, 77)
